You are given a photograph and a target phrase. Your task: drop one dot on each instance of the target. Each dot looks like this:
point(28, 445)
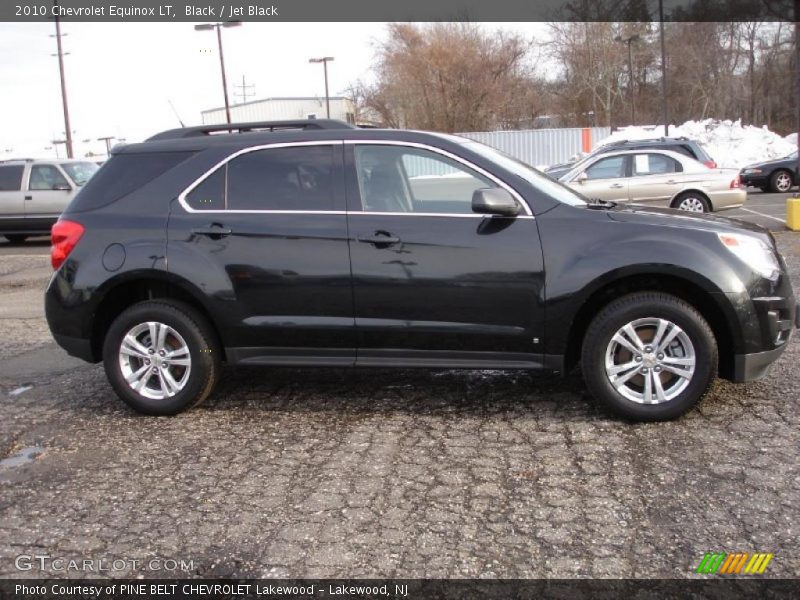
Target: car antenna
point(177, 116)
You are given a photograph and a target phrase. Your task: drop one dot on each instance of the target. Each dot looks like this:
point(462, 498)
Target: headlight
point(752, 171)
point(753, 252)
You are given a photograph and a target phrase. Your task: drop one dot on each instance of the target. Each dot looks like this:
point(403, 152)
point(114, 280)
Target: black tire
point(16, 238)
point(781, 181)
point(685, 197)
point(197, 335)
point(643, 306)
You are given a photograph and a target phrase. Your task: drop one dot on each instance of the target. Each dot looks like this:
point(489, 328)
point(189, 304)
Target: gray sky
point(120, 76)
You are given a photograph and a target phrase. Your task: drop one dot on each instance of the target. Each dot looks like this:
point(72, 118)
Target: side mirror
point(582, 177)
point(62, 187)
point(494, 201)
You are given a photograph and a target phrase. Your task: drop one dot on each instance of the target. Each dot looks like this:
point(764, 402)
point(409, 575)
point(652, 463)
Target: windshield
point(543, 183)
point(80, 172)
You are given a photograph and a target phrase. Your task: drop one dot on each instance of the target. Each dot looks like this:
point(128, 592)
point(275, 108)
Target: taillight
point(737, 182)
point(710, 164)
point(64, 236)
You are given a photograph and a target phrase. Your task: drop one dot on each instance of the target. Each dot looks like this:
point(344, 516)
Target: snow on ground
point(729, 143)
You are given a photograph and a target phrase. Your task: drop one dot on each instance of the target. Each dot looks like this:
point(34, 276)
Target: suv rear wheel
point(649, 356)
point(161, 357)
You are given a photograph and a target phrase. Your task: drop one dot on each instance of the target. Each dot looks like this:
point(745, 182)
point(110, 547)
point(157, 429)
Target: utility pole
point(664, 114)
point(325, 60)
point(245, 93)
point(218, 27)
point(629, 40)
point(63, 84)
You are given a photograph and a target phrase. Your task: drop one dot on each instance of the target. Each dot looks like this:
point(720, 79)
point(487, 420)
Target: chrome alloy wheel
point(650, 361)
point(155, 360)
point(692, 204)
point(783, 183)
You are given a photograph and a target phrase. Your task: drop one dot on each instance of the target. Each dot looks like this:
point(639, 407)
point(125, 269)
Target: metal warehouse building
point(280, 109)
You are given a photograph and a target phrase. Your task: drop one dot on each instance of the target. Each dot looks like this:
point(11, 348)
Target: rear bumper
point(77, 347)
point(728, 198)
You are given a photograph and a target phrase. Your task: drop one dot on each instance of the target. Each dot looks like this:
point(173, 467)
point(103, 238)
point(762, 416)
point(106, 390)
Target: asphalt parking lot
point(384, 473)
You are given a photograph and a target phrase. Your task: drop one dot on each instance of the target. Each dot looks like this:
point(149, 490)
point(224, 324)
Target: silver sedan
point(659, 177)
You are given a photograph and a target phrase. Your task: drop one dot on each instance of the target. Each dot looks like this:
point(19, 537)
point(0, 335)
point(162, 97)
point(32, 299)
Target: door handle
point(28, 197)
point(616, 186)
point(381, 238)
point(671, 181)
point(214, 231)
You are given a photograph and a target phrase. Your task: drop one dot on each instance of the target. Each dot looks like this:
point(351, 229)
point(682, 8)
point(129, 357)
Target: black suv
point(317, 244)
point(682, 145)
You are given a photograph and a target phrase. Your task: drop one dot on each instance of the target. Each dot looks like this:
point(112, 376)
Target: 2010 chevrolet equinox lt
point(317, 244)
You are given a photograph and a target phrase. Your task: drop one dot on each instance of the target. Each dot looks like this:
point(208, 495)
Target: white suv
point(34, 192)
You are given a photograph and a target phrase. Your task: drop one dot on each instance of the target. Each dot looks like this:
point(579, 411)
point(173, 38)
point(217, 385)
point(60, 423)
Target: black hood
point(677, 218)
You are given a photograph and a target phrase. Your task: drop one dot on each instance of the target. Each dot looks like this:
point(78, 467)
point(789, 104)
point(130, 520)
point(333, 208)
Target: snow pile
point(729, 143)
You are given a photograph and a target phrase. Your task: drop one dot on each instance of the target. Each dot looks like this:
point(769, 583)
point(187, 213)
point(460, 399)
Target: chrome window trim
point(182, 196)
point(517, 196)
point(230, 157)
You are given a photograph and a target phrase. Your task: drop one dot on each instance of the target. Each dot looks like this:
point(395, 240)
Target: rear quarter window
point(123, 174)
point(11, 178)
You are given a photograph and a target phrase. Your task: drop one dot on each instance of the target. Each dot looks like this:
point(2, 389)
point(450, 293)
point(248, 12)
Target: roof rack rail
point(5, 160)
point(228, 128)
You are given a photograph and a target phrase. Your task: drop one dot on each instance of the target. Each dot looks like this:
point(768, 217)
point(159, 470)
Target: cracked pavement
point(384, 473)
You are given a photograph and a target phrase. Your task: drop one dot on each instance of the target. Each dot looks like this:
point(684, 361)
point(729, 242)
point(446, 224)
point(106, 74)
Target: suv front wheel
point(649, 356)
point(161, 357)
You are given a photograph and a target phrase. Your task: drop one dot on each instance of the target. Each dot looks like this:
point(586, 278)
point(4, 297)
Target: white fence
point(537, 147)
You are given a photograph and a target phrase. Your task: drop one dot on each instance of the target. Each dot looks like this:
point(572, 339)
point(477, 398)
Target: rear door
point(49, 192)
point(12, 205)
point(435, 284)
point(655, 178)
point(264, 238)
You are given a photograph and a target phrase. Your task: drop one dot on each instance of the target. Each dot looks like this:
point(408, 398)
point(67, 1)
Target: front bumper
point(750, 367)
point(754, 179)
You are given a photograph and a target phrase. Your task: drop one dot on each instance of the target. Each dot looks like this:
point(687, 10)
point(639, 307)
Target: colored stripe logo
point(734, 563)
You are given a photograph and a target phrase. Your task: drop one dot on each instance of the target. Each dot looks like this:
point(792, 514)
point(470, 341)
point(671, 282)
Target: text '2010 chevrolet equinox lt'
point(317, 244)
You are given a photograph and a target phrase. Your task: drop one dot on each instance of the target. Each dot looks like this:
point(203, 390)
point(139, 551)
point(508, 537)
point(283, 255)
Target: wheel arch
point(137, 286)
point(691, 288)
point(691, 190)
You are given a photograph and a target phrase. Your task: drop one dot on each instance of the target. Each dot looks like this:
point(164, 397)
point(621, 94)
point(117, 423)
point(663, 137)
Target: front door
point(435, 284)
point(265, 239)
point(49, 192)
point(606, 179)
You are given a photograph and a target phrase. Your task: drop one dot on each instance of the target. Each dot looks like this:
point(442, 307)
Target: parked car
point(772, 175)
point(330, 246)
point(33, 193)
point(682, 145)
point(658, 177)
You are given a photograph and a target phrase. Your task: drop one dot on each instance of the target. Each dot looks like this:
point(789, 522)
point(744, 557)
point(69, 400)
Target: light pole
point(664, 114)
point(218, 27)
point(324, 60)
point(629, 40)
point(107, 139)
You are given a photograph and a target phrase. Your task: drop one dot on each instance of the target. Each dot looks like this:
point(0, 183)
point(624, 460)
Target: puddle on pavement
point(21, 458)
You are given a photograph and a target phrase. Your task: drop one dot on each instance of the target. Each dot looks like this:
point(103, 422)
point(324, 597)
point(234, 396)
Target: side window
point(210, 194)
point(295, 178)
point(47, 177)
point(11, 178)
point(298, 178)
point(413, 180)
point(655, 164)
point(612, 167)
